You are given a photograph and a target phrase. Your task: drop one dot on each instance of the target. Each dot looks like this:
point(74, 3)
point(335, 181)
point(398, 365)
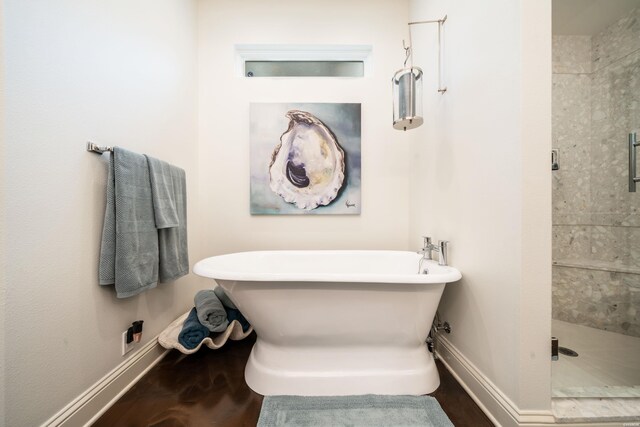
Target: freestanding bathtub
point(335, 322)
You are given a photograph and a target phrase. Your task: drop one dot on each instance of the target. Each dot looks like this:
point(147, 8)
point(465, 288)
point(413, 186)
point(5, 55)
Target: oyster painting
point(305, 158)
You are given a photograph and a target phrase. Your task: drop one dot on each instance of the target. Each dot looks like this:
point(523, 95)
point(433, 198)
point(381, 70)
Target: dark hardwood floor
point(207, 388)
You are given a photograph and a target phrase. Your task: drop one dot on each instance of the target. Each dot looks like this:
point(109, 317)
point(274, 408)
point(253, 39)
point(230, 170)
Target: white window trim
point(298, 52)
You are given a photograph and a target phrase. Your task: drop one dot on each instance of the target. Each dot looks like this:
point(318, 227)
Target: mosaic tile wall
point(596, 220)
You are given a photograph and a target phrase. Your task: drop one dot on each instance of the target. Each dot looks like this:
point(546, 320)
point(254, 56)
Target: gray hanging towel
point(129, 248)
point(164, 178)
point(169, 196)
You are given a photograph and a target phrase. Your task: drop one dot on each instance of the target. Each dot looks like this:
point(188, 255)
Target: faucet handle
point(443, 245)
point(426, 248)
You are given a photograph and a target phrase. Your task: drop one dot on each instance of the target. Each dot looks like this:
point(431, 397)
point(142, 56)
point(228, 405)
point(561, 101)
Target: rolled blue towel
point(233, 314)
point(211, 312)
point(193, 332)
point(224, 299)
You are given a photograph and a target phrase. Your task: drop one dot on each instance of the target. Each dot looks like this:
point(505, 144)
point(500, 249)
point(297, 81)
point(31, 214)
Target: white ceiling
point(588, 17)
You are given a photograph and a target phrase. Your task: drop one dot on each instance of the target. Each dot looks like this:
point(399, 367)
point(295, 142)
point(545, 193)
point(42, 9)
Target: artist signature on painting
point(349, 204)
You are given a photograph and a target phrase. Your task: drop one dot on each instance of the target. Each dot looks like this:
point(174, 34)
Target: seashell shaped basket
point(308, 166)
point(169, 337)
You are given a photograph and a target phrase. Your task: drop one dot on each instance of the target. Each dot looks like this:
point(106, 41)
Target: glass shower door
point(596, 218)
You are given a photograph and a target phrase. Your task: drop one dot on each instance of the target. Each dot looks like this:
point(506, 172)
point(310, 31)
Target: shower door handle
point(633, 143)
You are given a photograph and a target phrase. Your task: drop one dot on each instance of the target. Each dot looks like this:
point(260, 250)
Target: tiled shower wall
point(596, 220)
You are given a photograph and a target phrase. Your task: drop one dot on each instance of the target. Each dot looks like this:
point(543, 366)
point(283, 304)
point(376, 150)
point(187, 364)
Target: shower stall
point(596, 212)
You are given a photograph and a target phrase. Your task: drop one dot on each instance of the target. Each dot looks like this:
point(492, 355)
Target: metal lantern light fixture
point(407, 85)
point(407, 98)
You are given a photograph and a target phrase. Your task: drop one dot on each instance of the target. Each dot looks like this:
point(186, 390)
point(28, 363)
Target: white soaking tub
point(335, 322)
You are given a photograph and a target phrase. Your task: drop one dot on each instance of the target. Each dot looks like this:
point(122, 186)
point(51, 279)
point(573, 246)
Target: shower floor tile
point(605, 358)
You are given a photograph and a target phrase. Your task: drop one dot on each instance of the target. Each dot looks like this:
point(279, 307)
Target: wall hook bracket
point(441, 87)
point(95, 148)
point(407, 52)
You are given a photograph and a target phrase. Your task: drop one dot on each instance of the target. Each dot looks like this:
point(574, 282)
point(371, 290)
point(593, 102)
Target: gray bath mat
point(335, 411)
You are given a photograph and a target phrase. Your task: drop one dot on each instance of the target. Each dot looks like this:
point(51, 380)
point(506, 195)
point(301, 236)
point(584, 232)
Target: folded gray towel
point(224, 299)
point(129, 247)
point(169, 195)
point(211, 312)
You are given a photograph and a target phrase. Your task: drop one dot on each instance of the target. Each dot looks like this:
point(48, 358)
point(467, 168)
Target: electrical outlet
point(126, 347)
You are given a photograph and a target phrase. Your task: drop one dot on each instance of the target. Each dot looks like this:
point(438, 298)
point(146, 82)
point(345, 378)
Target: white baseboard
point(498, 407)
point(93, 402)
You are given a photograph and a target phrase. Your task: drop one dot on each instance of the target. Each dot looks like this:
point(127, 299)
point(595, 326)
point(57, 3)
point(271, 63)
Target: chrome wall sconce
point(407, 84)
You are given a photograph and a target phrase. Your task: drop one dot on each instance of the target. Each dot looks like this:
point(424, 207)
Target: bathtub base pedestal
point(317, 371)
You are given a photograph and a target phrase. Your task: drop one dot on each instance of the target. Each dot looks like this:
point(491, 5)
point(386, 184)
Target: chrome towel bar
point(633, 143)
point(95, 148)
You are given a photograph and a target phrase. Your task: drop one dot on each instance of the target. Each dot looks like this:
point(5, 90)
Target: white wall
point(481, 179)
point(3, 265)
point(224, 121)
point(476, 173)
point(117, 72)
point(534, 304)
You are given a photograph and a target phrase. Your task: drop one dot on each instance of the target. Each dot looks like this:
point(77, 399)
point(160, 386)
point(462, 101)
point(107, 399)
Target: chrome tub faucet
point(428, 249)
